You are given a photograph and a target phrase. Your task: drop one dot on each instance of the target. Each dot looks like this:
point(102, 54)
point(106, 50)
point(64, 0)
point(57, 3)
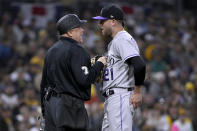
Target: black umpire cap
point(110, 12)
point(68, 22)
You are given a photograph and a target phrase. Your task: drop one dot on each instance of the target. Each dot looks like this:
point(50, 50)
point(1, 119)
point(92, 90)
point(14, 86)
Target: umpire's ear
point(70, 33)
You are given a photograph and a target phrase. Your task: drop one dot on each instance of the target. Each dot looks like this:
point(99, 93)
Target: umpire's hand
point(103, 60)
point(136, 97)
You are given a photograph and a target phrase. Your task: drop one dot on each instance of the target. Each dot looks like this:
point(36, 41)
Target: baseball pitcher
point(124, 74)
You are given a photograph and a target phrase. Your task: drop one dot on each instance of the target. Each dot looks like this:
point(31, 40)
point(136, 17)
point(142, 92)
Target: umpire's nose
point(82, 29)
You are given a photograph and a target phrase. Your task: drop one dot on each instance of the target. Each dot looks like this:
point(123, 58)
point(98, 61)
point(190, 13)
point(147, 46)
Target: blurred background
point(165, 30)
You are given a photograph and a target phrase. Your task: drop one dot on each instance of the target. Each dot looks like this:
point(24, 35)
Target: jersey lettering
point(110, 61)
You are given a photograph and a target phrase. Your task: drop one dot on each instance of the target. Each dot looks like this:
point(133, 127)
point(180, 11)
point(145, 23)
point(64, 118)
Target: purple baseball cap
point(110, 12)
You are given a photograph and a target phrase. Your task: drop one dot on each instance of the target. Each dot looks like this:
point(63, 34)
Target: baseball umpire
point(67, 78)
point(124, 73)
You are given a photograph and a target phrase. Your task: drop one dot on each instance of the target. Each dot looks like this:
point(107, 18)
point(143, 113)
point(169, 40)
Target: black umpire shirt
point(67, 68)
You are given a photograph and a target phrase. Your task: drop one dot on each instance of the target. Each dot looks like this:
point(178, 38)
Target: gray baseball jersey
point(117, 72)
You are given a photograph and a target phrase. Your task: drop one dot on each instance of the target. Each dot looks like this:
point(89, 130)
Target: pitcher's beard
point(107, 32)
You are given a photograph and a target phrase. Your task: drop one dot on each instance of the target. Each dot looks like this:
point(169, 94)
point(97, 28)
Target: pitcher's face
point(105, 26)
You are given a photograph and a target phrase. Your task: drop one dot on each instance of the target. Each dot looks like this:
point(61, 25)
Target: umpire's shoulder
point(78, 50)
point(55, 45)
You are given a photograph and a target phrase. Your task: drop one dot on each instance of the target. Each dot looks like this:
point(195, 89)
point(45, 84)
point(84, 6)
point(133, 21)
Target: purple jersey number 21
point(108, 75)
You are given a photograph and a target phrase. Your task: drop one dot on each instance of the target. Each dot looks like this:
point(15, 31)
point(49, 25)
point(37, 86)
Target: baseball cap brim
point(80, 24)
point(99, 18)
point(83, 22)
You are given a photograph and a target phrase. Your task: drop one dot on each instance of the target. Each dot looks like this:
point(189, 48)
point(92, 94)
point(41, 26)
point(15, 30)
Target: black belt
point(111, 91)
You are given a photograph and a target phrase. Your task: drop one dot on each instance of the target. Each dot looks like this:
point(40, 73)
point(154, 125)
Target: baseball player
point(124, 74)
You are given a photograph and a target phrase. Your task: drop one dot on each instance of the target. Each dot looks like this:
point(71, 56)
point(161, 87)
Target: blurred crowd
point(167, 42)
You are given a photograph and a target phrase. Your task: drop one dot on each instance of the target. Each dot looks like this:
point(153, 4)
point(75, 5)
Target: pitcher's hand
point(136, 97)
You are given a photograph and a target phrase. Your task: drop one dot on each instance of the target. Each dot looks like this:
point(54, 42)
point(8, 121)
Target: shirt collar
point(120, 32)
point(68, 39)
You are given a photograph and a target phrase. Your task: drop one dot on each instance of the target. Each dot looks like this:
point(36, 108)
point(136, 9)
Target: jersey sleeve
point(81, 68)
point(126, 48)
